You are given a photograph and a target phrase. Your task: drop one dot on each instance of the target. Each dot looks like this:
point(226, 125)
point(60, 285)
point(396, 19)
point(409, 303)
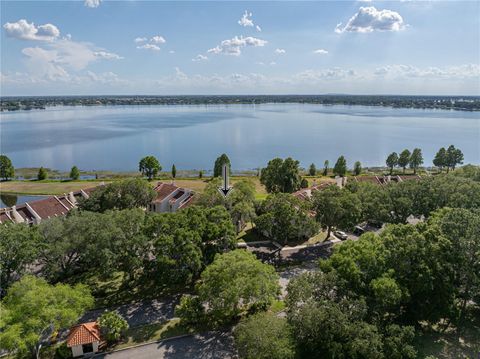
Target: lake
point(116, 137)
point(8, 200)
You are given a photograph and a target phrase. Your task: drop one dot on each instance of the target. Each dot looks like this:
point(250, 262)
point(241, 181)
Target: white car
point(341, 235)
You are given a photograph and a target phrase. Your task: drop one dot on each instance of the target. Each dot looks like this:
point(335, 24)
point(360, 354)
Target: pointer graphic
point(226, 188)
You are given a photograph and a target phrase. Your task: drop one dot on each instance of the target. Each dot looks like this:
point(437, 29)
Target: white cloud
point(369, 19)
point(233, 46)
point(200, 57)
point(158, 40)
point(258, 28)
point(28, 31)
point(432, 72)
point(171, 52)
point(320, 52)
point(107, 55)
point(139, 40)
point(280, 51)
point(246, 20)
point(149, 47)
point(92, 3)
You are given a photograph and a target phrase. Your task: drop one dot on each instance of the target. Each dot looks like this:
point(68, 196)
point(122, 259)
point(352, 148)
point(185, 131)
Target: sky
point(97, 47)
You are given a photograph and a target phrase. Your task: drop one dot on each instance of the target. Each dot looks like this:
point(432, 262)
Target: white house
point(170, 198)
point(84, 339)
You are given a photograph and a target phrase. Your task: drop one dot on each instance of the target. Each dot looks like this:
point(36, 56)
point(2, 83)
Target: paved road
point(140, 313)
point(212, 345)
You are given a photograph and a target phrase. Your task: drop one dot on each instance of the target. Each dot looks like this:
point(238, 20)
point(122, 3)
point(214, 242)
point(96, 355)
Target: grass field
point(52, 187)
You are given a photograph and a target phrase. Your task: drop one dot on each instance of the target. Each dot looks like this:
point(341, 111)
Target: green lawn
point(153, 332)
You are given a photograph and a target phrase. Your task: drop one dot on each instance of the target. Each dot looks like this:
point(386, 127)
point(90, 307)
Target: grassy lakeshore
point(58, 187)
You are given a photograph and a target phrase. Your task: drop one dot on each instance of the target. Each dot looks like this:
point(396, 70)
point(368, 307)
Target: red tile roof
point(85, 333)
point(48, 207)
point(164, 190)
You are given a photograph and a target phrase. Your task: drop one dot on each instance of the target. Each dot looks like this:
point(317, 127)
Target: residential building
point(84, 339)
point(170, 198)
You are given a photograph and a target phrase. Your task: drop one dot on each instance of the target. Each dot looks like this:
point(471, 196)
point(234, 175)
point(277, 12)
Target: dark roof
point(164, 190)
point(48, 207)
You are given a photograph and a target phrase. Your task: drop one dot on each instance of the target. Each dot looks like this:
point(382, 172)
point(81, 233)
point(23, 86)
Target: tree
point(112, 325)
point(285, 219)
point(19, 247)
point(281, 176)
point(219, 162)
point(312, 170)
point(325, 167)
point(336, 207)
point(7, 171)
point(74, 173)
point(340, 168)
point(174, 171)
point(124, 194)
point(440, 159)
point(42, 174)
point(392, 161)
point(453, 157)
point(264, 336)
point(357, 168)
point(416, 159)
point(236, 281)
point(33, 310)
point(404, 159)
point(149, 166)
point(200, 174)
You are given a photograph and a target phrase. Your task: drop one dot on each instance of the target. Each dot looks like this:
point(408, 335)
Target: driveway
point(212, 345)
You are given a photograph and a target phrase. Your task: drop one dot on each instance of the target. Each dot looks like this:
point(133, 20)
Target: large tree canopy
point(219, 162)
point(281, 175)
point(149, 166)
point(7, 170)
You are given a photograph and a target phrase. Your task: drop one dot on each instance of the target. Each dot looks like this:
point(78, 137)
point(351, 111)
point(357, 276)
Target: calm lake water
point(115, 138)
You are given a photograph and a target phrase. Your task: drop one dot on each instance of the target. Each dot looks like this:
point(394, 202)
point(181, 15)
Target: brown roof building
point(170, 198)
point(35, 211)
point(84, 339)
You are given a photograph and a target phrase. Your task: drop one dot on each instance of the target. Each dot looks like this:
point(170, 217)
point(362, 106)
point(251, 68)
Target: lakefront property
point(240, 180)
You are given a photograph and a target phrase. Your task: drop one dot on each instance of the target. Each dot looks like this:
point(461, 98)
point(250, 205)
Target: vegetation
point(33, 310)
point(264, 336)
point(312, 170)
point(42, 174)
point(112, 325)
point(325, 167)
point(392, 161)
point(340, 168)
point(235, 282)
point(149, 166)
point(461, 103)
point(281, 176)
point(7, 171)
point(285, 218)
point(453, 158)
point(174, 171)
point(404, 159)
point(219, 162)
point(357, 168)
point(74, 173)
point(416, 159)
point(125, 194)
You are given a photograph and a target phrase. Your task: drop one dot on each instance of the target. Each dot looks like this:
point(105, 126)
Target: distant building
point(170, 198)
point(34, 212)
point(382, 180)
point(84, 339)
point(306, 193)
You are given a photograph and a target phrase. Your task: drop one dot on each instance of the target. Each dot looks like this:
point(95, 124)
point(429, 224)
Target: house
point(34, 212)
point(170, 198)
point(306, 193)
point(84, 339)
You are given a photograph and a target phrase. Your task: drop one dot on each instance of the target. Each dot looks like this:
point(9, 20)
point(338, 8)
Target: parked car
point(341, 235)
point(358, 231)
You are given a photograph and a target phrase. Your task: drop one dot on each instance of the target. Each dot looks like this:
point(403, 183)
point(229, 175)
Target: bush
point(112, 326)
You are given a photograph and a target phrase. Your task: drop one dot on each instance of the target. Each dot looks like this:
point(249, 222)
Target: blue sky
point(358, 47)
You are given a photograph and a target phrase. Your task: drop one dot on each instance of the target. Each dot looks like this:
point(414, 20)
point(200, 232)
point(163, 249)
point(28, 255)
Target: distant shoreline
point(457, 103)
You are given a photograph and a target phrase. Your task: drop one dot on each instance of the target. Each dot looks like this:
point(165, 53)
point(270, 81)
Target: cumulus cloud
point(150, 47)
point(107, 55)
point(24, 30)
point(369, 19)
point(432, 72)
point(200, 57)
point(320, 51)
point(280, 51)
point(92, 3)
point(139, 40)
point(233, 46)
point(56, 60)
point(246, 19)
point(158, 40)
